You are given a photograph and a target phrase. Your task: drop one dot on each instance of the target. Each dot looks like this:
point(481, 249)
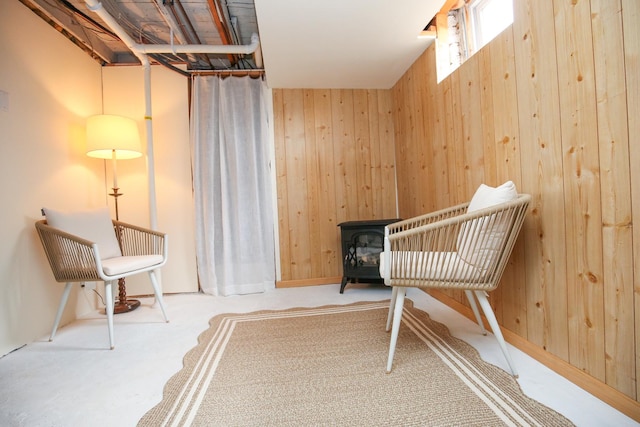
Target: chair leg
point(394, 292)
point(488, 312)
point(108, 296)
point(156, 290)
point(63, 302)
point(474, 307)
point(397, 319)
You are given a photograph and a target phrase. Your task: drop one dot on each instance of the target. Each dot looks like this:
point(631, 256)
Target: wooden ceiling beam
point(221, 25)
point(451, 4)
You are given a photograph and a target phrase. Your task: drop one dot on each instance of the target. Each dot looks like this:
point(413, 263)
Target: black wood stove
point(362, 242)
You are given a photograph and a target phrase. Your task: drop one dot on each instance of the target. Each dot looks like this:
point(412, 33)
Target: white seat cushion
point(124, 264)
point(93, 225)
point(436, 266)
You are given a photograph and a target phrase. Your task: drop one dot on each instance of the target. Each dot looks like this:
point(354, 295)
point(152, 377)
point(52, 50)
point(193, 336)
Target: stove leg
point(343, 284)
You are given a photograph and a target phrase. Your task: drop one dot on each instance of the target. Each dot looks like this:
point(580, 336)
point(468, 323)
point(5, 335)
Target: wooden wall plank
point(410, 171)
point(631, 34)
point(362, 142)
point(401, 120)
point(489, 147)
point(439, 142)
point(313, 181)
point(377, 199)
point(505, 109)
point(424, 153)
point(281, 182)
point(329, 251)
point(455, 137)
point(471, 126)
point(508, 166)
point(345, 152)
point(542, 175)
point(446, 102)
point(297, 202)
point(608, 42)
point(386, 132)
point(578, 119)
point(489, 156)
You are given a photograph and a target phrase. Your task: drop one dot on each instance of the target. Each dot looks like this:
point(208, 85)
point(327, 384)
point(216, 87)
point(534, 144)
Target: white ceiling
point(355, 44)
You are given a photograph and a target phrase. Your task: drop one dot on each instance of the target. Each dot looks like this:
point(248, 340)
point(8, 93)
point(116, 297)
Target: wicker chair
point(454, 248)
point(80, 259)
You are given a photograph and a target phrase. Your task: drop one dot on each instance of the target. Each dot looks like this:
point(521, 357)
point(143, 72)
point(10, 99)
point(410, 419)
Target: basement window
point(463, 27)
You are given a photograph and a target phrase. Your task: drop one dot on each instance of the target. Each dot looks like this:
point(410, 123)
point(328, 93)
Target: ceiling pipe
point(141, 51)
point(201, 48)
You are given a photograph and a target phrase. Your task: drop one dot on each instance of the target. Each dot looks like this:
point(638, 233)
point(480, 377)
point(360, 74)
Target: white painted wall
point(52, 87)
point(124, 94)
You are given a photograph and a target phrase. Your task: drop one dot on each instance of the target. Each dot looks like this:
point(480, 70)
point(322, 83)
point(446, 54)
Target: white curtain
point(231, 182)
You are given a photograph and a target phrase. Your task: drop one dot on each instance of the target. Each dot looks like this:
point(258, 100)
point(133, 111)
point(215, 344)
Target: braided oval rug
point(326, 366)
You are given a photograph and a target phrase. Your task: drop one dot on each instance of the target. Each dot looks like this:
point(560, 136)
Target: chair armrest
point(72, 259)
point(438, 235)
point(136, 240)
point(428, 218)
point(447, 223)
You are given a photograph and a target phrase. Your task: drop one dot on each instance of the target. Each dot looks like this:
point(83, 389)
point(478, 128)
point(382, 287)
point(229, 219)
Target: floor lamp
point(116, 138)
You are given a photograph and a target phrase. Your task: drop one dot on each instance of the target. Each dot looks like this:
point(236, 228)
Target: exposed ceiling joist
point(148, 22)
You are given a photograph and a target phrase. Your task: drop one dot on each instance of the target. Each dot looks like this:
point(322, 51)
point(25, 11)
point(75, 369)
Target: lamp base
point(125, 306)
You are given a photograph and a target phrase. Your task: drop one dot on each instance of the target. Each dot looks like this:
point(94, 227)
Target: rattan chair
point(453, 248)
point(75, 259)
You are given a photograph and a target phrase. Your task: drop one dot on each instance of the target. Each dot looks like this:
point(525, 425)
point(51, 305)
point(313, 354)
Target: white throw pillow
point(93, 225)
point(479, 240)
point(486, 196)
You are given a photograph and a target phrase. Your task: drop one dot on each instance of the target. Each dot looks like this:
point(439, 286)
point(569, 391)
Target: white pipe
point(257, 54)
point(201, 48)
point(151, 175)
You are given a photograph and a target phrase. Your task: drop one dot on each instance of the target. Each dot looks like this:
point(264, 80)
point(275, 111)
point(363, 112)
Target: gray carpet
point(326, 366)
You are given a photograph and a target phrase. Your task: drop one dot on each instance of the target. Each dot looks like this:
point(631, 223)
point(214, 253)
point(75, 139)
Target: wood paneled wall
point(554, 105)
point(335, 162)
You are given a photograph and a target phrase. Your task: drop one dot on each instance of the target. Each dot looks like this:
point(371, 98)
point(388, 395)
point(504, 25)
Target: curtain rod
point(254, 72)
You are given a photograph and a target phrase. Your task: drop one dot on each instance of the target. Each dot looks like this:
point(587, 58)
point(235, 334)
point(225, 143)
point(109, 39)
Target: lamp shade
point(108, 135)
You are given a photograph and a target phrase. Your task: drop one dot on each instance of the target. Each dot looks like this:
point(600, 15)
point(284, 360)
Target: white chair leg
point(63, 302)
point(474, 307)
point(488, 312)
point(158, 293)
point(397, 319)
point(394, 292)
point(108, 296)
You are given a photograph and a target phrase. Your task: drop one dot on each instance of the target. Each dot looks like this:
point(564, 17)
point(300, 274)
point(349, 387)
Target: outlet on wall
point(89, 285)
